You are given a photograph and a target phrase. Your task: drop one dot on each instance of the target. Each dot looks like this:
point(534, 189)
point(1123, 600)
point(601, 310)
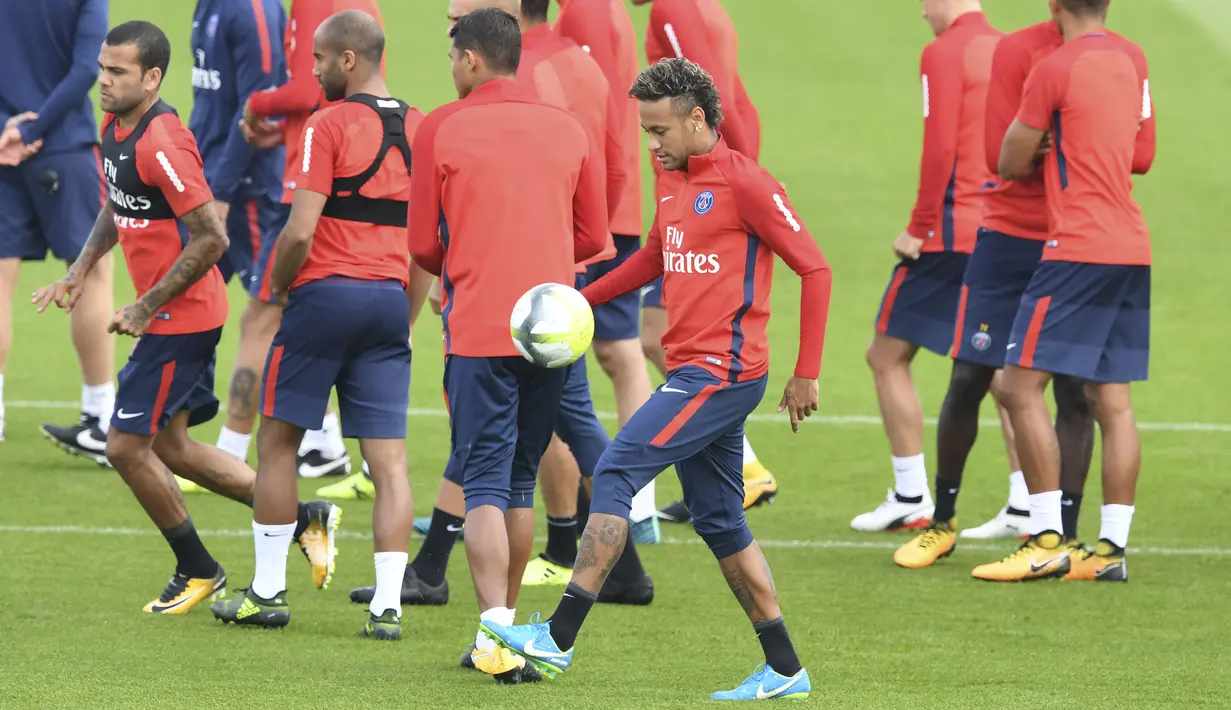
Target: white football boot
point(1004, 526)
point(894, 514)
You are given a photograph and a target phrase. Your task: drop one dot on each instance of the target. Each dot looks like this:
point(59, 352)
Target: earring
point(698, 129)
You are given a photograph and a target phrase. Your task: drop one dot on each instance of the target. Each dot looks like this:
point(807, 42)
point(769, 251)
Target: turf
point(836, 84)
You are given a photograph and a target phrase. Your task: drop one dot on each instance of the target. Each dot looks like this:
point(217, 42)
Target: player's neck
point(705, 145)
point(130, 119)
point(1075, 27)
point(527, 25)
point(374, 87)
point(489, 78)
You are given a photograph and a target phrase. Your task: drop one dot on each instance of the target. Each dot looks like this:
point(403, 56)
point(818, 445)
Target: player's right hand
point(907, 247)
point(800, 399)
point(263, 134)
point(434, 297)
point(63, 292)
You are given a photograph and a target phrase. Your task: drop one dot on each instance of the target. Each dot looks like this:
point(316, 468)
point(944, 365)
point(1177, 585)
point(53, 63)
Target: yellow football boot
point(319, 540)
point(936, 542)
point(543, 572)
point(1105, 563)
point(506, 667)
point(759, 485)
point(356, 486)
point(1043, 556)
point(187, 486)
point(184, 592)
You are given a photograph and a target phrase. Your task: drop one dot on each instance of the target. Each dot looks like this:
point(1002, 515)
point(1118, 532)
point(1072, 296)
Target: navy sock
point(191, 557)
point(433, 557)
point(779, 651)
point(1070, 508)
point(946, 500)
point(561, 541)
point(568, 617)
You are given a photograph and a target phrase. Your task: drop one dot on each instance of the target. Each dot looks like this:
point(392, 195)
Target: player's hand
point(433, 296)
point(13, 149)
point(263, 134)
point(279, 298)
point(64, 293)
point(223, 209)
point(132, 320)
point(907, 247)
point(801, 398)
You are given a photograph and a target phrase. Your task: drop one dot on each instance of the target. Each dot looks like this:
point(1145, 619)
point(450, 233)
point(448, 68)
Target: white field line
point(852, 420)
point(22, 530)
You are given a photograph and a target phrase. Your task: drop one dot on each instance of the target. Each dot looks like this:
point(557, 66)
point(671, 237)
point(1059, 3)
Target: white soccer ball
point(552, 325)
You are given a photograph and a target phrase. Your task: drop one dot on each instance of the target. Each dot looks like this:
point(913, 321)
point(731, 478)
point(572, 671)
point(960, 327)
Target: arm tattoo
point(102, 238)
point(207, 242)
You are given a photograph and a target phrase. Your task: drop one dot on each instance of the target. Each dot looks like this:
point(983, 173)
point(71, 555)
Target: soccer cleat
point(677, 512)
point(184, 592)
point(187, 486)
point(85, 438)
point(542, 572)
point(248, 609)
point(767, 684)
point(414, 591)
point(467, 660)
point(646, 532)
point(1043, 556)
point(759, 485)
point(639, 593)
point(533, 641)
point(319, 540)
point(507, 667)
point(935, 543)
point(896, 514)
point(354, 487)
point(386, 627)
point(313, 463)
point(1006, 525)
point(1105, 563)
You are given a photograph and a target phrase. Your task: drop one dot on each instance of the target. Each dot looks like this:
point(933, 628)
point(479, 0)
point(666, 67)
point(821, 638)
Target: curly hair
point(685, 83)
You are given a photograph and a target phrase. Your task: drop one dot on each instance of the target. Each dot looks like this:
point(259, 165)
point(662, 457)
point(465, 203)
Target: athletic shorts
point(920, 304)
point(50, 201)
point(997, 275)
point(167, 374)
point(619, 318)
point(253, 225)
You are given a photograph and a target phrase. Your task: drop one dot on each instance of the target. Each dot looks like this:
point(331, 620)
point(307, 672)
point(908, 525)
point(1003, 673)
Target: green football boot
point(386, 627)
point(247, 609)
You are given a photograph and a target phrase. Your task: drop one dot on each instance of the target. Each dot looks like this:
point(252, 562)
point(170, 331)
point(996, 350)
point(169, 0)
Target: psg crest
point(704, 203)
point(981, 341)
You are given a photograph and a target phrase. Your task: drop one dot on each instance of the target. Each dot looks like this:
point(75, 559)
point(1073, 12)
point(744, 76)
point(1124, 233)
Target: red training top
point(491, 238)
point(719, 224)
point(954, 70)
point(605, 30)
point(342, 141)
point(1092, 94)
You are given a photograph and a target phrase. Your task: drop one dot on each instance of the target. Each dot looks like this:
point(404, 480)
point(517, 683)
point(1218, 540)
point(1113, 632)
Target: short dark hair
point(535, 9)
point(685, 83)
point(153, 47)
point(492, 34)
point(1085, 7)
point(357, 31)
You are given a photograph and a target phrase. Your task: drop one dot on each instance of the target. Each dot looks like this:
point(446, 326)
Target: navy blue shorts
point(165, 375)
point(503, 411)
point(253, 225)
point(1090, 321)
point(696, 422)
point(50, 202)
point(343, 333)
point(619, 318)
point(652, 294)
point(920, 305)
point(997, 275)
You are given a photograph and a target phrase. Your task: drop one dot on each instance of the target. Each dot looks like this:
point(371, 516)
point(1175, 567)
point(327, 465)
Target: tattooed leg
point(749, 577)
point(201, 463)
point(257, 329)
point(601, 545)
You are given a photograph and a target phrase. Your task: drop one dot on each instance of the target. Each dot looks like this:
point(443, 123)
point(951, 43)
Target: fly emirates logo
point(118, 196)
point(686, 262)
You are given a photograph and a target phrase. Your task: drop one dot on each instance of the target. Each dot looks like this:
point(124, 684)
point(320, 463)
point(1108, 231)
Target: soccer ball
point(552, 325)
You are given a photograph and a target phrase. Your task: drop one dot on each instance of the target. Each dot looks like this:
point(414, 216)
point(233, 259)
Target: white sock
point(390, 567)
point(643, 504)
point(1045, 512)
point(1116, 521)
point(234, 443)
point(98, 401)
point(1019, 494)
point(272, 543)
point(910, 477)
point(499, 614)
point(750, 456)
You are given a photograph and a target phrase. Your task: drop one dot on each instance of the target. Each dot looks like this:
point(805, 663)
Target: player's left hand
point(262, 135)
point(907, 247)
point(13, 149)
point(132, 320)
point(63, 292)
point(801, 398)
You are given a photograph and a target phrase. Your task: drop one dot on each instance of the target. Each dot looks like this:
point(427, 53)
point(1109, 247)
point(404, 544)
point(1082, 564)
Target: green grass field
point(836, 84)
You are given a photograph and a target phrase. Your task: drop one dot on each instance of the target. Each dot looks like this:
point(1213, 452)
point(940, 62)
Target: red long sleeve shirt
point(491, 238)
point(955, 70)
point(718, 226)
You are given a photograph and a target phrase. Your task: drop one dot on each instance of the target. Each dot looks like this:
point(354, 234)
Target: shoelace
point(175, 587)
point(931, 537)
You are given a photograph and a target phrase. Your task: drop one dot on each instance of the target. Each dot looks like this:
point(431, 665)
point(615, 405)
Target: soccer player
point(701, 31)
point(919, 308)
point(49, 200)
point(491, 239)
point(714, 244)
point(1086, 312)
point(341, 268)
point(154, 178)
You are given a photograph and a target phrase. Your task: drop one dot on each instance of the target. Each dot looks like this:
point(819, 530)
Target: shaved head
point(355, 31)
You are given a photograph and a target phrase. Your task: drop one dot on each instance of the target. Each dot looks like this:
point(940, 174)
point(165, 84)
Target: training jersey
point(954, 71)
point(302, 94)
point(702, 32)
point(718, 226)
point(154, 175)
point(604, 29)
point(361, 237)
point(560, 73)
point(1092, 94)
point(234, 56)
point(491, 238)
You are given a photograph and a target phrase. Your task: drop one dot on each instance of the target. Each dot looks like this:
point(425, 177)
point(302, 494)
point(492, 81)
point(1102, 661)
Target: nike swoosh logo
point(86, 440)
point(668, 197)
point(532, 651)
point(761, 694)
point(453, 528)
point(1010, 346)
point(1039, 568)
point(672, 390)
point(128, 415)
point(307, 470)
point(123, 157)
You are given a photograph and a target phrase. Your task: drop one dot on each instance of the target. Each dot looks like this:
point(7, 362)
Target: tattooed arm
point(295, 241)
point(207, 242)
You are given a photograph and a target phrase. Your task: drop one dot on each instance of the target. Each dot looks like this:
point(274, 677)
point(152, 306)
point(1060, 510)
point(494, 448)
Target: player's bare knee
point(883, 356)
point(1072, 401)
point(171, 447)
point(259, 319)
point(652, 346)
point(126, 452)
point(969, 384)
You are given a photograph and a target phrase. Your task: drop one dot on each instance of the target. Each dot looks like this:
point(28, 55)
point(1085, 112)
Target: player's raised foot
point(187, 486)
point(759, 485)
point(85, 438)
point(936, 542)
point(354, 487)
point(507, 667)
point(247, 609)
point(414, 591)
point(467, 660)
point(896, 514)
point(1105, 563)
point(386, 627)
point(533, 641)
point(1043, 556)
point(767, 684)
point(313, 463)
point(1009, 523)
point(677, 512)
point(184, 592)
point(646, 532)
point(541, 572)
point(638, 593)
point(319, 540)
